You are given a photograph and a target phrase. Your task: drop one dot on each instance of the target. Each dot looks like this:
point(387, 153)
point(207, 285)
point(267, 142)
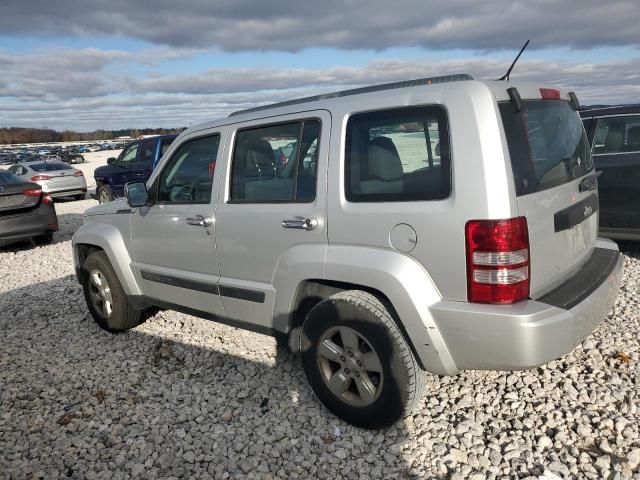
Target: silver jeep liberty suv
point(431, 226)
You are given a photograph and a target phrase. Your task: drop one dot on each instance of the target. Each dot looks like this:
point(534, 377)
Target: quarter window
point(617, 135)
point(188, 176)
point(398, 155)
point(276, 163)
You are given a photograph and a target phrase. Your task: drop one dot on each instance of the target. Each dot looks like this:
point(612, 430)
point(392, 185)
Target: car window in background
point(130, 154)
point(49, 167)
point(617, 135)
point(8, 178)
point(165, 144)
point(148, 147)
point(188, 177)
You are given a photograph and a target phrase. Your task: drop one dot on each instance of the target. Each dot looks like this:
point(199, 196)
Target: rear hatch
point(60, 174)
point(555, 185)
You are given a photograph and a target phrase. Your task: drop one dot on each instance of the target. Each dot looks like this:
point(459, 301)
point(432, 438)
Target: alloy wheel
point(350, 366)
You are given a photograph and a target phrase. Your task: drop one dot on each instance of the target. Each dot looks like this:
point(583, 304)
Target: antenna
point(506, 75)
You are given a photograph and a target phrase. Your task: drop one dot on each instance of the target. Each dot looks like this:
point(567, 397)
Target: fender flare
point(400, 278)
point(108, 238)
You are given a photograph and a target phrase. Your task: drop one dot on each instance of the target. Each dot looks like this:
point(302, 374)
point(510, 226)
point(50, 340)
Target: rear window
point(8, 178)
point(547, 144)
point(49, 167)
point(398, 155)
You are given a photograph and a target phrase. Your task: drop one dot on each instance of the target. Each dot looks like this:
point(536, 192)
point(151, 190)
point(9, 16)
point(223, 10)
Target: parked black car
point(614, 134)
point(71, 156)
point(135, 162)
point(25, 211)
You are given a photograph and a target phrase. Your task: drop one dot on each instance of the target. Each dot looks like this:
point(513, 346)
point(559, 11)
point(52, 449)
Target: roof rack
point(356, 91)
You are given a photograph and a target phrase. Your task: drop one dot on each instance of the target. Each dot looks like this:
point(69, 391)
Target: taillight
point(36, 178)
point(32, 192)
point(497, 260)
point(46, 198)
point(550, 94)
point(78, 174)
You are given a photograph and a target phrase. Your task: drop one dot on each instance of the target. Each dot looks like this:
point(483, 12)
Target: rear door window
point(276, 163)
point(398, 155)
point(547, 144)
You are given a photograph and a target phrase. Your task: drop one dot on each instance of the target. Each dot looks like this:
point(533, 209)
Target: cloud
point(82, 89)
point(235, 25)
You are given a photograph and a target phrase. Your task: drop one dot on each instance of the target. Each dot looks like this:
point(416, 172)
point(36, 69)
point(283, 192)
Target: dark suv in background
point(614, 134)
point(135, 162)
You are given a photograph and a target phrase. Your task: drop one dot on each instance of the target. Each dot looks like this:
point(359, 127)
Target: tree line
point(13, 135)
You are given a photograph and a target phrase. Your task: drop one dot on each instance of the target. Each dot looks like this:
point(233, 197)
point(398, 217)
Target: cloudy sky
point(161, 63)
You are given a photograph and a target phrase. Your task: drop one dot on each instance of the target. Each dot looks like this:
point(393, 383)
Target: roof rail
point(357, 91)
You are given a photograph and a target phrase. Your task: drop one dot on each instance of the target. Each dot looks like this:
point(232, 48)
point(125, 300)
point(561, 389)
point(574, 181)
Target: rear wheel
point(357, 361)
point(104, 194)
point(105, 297)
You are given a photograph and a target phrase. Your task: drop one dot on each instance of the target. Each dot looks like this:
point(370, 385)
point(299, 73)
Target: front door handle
point(200, 221)
point(300, 223)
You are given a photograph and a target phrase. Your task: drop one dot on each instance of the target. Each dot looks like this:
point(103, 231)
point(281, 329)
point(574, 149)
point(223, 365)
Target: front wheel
point(105, 297)
point(104, 194)
point(358, 362)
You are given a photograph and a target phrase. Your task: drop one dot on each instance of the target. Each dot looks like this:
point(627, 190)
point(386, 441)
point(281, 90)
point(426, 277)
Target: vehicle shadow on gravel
point(177, 396)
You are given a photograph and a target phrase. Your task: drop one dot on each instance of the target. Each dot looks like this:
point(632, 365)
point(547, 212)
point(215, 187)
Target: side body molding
point(109, 238)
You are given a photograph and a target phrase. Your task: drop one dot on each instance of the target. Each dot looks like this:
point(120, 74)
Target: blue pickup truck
point(135, 162)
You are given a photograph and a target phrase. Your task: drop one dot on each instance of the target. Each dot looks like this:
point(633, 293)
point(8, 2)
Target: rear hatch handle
point(590, 182)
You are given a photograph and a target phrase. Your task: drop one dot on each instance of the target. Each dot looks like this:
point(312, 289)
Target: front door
point(273, 210)
point(173, 239)
point(616, 152)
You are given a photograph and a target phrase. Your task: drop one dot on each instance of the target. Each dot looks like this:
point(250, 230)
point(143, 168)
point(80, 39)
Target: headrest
point(383, 164)
point(633, 136)
point(258, 152)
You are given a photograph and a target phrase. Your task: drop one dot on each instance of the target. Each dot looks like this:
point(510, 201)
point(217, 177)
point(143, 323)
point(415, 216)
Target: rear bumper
point(530, 333)
point(28, 225)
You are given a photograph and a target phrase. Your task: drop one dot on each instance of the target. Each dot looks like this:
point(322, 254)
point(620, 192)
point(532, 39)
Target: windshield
point(547, 144)
point(49, 167)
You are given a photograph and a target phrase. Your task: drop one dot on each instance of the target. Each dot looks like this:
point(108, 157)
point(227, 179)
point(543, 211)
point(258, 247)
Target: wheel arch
point(99, 236)
point(397, 280)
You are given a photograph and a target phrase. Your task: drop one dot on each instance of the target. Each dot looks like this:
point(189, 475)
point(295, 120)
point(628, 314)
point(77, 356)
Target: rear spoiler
point(518, 104)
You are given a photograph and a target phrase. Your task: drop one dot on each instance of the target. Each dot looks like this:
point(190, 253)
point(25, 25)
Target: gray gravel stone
point(182, 398)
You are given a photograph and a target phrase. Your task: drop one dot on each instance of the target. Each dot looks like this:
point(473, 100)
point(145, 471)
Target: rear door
point(616, 153)
point(556, 187)
point(271, 206)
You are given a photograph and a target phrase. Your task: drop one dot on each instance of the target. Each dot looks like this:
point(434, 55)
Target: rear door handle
point(300, 223)
point(200, 221)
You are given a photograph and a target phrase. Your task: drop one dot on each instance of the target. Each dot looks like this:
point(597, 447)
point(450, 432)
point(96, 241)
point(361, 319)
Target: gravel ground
point(184, 397)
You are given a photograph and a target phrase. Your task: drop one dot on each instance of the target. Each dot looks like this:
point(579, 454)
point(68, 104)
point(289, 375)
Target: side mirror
point(137, 195)
point(111, 160)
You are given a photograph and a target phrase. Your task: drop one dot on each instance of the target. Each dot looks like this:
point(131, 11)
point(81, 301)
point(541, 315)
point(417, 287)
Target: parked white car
point(55, 177)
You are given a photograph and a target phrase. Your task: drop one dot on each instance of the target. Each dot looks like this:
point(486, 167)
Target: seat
point(385, 168)
point(615, 139)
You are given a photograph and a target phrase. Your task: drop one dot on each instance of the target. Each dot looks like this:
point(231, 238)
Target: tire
point(394, 392)
point(45, 239)
point(97, 270)
point(105, 194)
